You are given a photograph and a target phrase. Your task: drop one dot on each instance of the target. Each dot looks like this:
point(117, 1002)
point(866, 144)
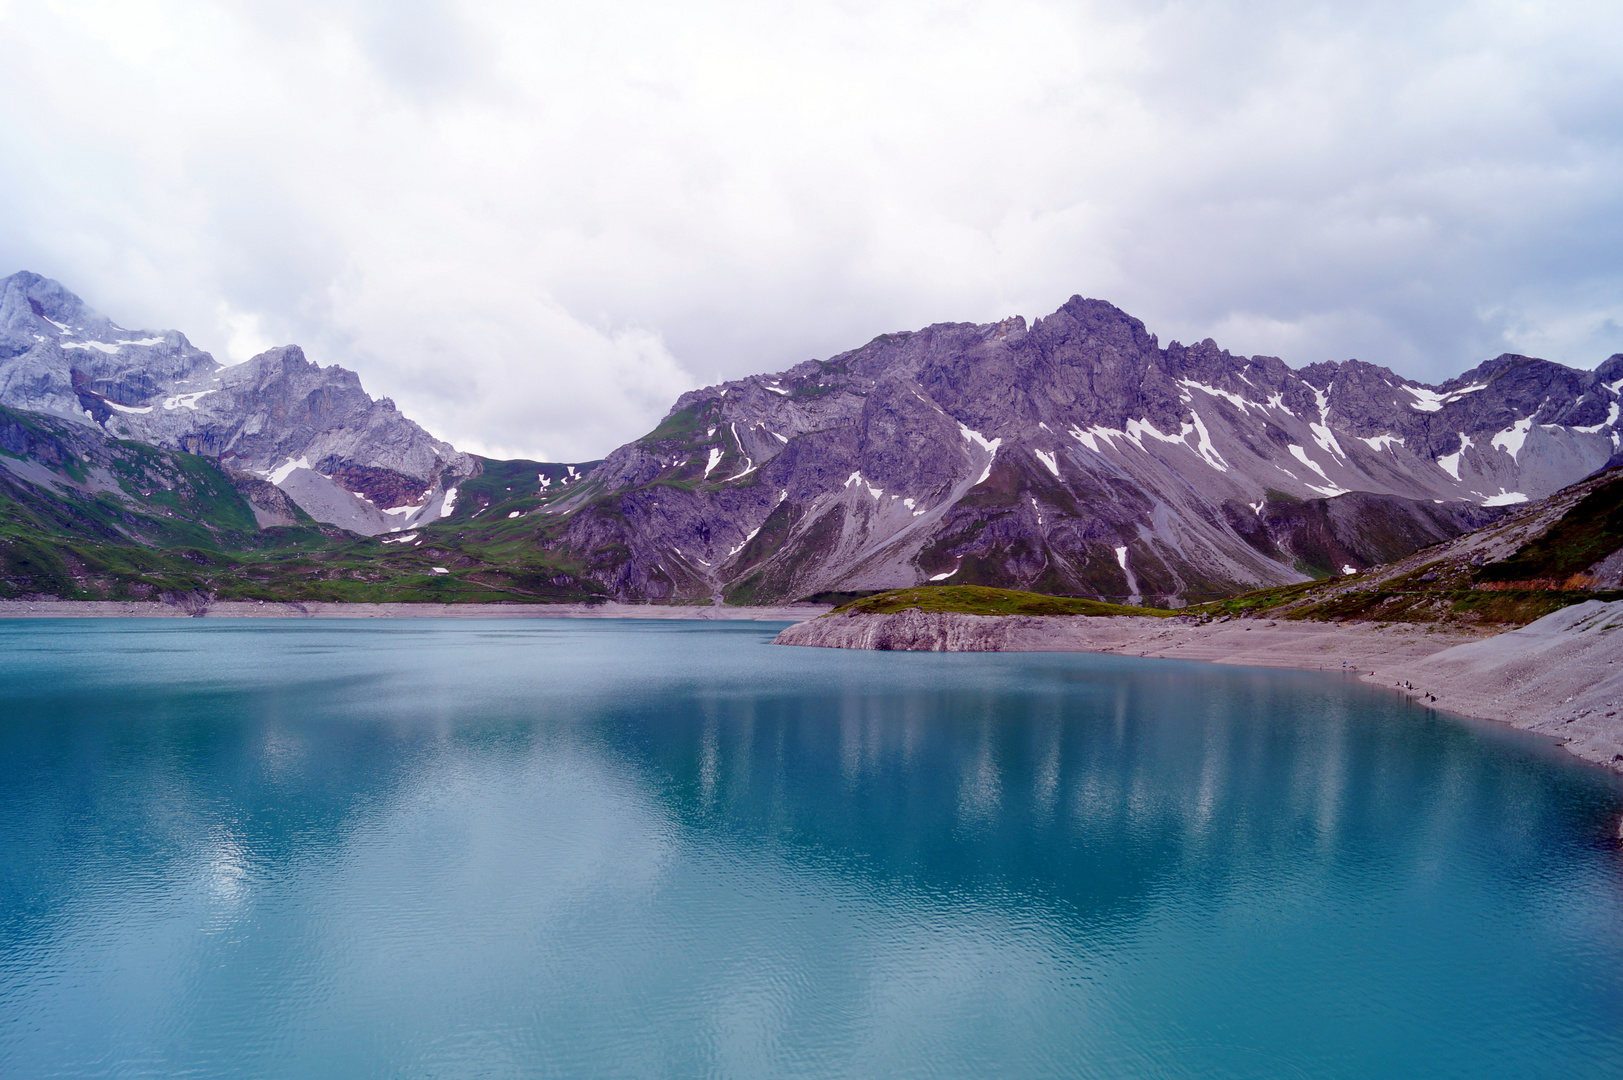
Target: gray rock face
point(52, 346)
point(271, 505)
point(1074, 456)
point(923, 631)
point(313, 432)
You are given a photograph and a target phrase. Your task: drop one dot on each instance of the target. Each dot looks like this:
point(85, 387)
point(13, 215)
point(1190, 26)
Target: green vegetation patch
point(683, 424)
point(981, 600)
point(1386, 603)
point(1585, 535)
point(1257, 601)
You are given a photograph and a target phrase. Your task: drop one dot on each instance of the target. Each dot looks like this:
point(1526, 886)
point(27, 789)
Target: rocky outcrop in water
point(928, 631)
point(1074, 456)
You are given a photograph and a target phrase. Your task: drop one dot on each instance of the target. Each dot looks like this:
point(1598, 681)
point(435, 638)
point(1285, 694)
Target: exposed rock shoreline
point(201, 607)
point(1561, 676)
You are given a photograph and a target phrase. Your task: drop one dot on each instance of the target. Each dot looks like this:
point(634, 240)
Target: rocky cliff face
point(311, 431)
point(53, 347)
point(1074, 456)
point(939, 631)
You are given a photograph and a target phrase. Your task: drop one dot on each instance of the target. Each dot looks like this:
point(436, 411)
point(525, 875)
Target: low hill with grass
point(981, 600)
point(85, 516)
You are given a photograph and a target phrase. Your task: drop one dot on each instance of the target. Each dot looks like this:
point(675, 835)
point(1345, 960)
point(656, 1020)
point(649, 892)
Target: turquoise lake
point(551, 848)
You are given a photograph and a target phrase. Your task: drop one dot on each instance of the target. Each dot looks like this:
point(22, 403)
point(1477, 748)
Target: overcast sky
point(533, 225)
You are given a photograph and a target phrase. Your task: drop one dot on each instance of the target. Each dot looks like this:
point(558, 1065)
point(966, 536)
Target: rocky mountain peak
point(1073, 455)
point(47, 301)
point(313, 431)
point(1099, 324)
point(53, 344)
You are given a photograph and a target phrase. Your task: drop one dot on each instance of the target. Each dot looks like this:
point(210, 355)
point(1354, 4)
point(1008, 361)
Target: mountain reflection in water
point(670, 849)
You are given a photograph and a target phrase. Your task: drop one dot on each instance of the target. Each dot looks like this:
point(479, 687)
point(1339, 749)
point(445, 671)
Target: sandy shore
point(257, 609)
point(1561, 676)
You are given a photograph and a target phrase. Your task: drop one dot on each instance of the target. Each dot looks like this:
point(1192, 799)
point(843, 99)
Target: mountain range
point(1075, 456)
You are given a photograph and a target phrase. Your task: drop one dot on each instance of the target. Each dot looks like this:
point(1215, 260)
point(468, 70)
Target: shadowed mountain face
point(311, 431)
point(1074, 456)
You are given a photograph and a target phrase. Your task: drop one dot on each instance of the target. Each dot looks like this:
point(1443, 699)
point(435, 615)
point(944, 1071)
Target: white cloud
point(245, 337)
point(534, 225)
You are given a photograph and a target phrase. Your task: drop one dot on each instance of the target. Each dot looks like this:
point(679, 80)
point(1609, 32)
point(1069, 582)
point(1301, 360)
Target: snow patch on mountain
point(1207, 451)
point(1513, 438)
point(185, 401)
point(1504, 498)
point(1300, 454)
point(1450, 463)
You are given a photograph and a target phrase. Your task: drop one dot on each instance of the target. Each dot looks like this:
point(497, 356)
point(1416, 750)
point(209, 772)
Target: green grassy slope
point(981, 600)
point(84, 516)
point(62, 479)
point(1585, 535)
point(1509, 573)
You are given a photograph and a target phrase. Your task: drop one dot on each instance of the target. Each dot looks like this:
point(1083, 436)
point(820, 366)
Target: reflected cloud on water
point(397, 850)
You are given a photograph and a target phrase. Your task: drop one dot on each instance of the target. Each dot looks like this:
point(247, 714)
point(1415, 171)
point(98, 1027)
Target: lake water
point(467, 849)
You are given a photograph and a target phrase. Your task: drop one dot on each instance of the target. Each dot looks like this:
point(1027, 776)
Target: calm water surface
point(625, 849)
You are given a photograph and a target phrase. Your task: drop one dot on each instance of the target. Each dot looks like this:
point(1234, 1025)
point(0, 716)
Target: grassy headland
point(981, 600)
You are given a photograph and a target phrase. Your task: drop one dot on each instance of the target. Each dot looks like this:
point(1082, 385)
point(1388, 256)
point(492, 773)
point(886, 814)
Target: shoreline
point(323, 609)
point(1561, 676)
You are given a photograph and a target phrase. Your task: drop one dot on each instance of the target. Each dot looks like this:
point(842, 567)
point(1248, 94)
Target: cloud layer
point(535, 225)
